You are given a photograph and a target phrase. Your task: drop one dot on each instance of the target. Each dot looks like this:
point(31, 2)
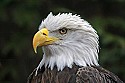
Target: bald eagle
point(70, 46)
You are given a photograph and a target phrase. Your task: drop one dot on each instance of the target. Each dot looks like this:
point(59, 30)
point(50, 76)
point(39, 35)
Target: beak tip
point(35, 50)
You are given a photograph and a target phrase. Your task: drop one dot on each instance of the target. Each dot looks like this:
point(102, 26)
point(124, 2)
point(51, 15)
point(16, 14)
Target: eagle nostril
point(44, 34)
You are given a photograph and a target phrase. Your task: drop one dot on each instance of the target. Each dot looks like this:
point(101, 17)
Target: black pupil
point(63, 30)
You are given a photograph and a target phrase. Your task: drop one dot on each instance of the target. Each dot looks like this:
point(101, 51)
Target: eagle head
point(66, 39)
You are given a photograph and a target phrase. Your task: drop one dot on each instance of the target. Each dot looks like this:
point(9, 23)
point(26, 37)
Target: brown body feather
point(74, 75)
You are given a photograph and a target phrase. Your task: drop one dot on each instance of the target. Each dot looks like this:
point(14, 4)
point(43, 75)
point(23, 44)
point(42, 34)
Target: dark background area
point(20, 19)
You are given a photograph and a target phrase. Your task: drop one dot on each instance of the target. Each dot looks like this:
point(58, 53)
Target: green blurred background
point(20, 19)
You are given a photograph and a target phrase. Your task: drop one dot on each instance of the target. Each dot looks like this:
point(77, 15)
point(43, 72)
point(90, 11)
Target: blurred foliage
point(19, 20)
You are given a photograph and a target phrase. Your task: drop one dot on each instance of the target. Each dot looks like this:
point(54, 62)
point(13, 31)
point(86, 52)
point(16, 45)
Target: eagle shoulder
point(96, 74)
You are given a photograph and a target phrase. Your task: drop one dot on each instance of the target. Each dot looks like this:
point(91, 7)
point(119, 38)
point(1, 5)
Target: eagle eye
point(63, 31)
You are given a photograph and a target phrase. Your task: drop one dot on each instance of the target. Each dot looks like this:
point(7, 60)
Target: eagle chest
point(68, 75)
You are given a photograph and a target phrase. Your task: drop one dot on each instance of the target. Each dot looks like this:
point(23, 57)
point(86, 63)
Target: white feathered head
point(66, 40)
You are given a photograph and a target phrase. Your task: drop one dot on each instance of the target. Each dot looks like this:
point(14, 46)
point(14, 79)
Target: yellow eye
point(63, 31)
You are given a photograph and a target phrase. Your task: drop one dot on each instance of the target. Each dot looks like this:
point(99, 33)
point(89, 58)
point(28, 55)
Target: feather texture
point(74, 75)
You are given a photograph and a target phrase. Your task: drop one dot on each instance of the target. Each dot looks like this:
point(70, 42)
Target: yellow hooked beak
point(41, 38)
